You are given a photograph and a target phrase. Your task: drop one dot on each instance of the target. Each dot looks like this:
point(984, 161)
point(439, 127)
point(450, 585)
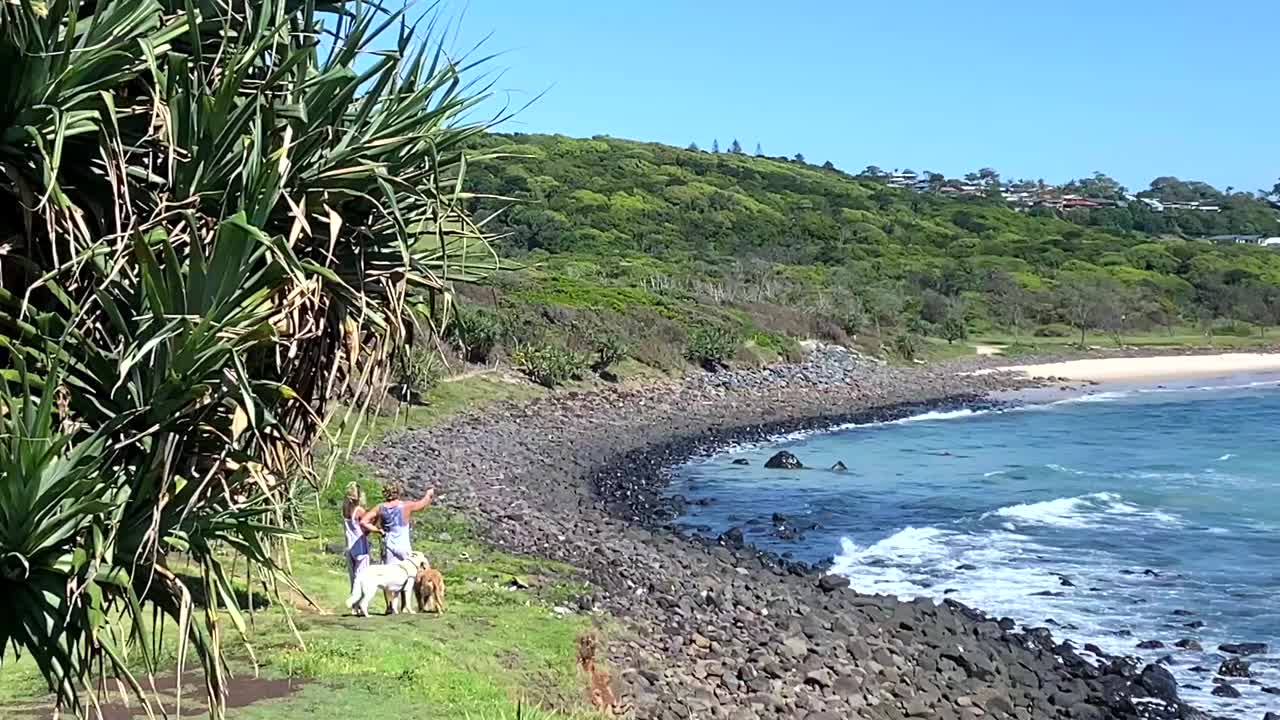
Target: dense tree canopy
point(703, 214)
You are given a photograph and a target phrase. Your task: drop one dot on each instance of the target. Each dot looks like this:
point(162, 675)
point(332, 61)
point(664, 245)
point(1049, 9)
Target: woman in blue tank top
point(393, 515)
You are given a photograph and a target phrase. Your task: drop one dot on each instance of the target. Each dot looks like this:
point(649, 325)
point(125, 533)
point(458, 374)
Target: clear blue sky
point(1134, 88)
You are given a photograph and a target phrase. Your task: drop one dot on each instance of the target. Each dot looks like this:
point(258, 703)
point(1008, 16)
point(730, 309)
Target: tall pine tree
point(736, 147)
point(715, 146)
point(694, 147)
point(759, 150)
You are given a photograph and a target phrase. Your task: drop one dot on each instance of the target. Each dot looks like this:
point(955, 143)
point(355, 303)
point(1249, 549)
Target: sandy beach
point(1143, 369)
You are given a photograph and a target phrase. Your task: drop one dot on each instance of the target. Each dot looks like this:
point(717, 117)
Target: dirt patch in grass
point(242, 692)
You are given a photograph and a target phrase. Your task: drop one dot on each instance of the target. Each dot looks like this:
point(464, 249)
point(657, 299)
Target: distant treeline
point(733, 228)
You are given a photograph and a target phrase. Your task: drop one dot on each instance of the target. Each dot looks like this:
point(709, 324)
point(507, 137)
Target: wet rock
point(732, 538)
point(1194, 624)
point(741, 461)
point(784, 461)
point(967, 566)
point(1150, 645)
point(839, 467)
point(1234, 667)
point(1225, 690)
point(1160, 683)
point(1271, 690)
point(1183, 613)
point(1188, 644)
point(1251, 648)
point(831, 583)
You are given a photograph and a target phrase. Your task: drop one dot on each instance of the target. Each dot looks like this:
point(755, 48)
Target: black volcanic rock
point(784, 461)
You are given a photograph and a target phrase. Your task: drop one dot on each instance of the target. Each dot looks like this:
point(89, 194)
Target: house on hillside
point(1240, 239)
point(1155, 205)
point(903, 179)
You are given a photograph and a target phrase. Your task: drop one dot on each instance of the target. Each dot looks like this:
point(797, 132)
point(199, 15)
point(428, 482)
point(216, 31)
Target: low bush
point(475, 332)
point(607, 350)
point(711, 346)
point(907, 346)
point(1055, 330)
point(417, 371)
point(549, 365)
point(1243, 330)
point(829, 329)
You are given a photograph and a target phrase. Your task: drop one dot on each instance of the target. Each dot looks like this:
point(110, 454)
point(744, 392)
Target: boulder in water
point(784, 461)
point(1226, 690)
point(1251, 648)
point(1234, 667)
point(1150, 645)
point(839, 467)
point(741, 461)
point(732, 537)
point(1160, 683)
point(1188, 644)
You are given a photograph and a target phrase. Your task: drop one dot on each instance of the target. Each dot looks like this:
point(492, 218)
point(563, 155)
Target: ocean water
point(1140, 509)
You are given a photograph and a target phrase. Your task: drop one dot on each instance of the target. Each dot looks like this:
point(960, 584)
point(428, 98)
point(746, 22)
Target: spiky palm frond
point(215, 219)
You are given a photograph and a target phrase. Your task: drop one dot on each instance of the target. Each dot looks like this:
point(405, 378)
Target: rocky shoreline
point(714, 629)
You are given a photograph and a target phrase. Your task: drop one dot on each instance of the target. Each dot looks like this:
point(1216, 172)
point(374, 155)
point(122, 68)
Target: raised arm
point(414, 506)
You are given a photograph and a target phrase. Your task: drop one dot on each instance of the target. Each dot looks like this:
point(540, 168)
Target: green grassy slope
point(651, 242)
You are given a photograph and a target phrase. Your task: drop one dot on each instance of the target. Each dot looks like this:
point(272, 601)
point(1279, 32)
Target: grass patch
point(448, 398)
point(501, 641)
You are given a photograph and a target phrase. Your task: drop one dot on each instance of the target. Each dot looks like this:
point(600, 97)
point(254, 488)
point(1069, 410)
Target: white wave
point(1064, 469)
point(1110, 396)
point(940, 415)
point(993, 473)
point(1226, 457)
point(1211, 388)
point(1061, 512)
point(1079, 512)
point(1010, 574)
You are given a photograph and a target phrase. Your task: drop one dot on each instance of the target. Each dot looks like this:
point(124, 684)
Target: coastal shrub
point(417, 371)
point(830, 330)
point(1241, 330)
point(221, 233)
point(787, 348)
point(608, 349)
point(711, 346)
point(954, 328)
point(548, 364)
point(907, 346)
point(1054, 330)
point(475, 332)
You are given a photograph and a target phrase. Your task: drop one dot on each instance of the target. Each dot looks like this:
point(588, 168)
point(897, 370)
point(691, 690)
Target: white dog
point(396, 578)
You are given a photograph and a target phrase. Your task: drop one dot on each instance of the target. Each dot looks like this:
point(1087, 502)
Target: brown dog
point(428, 588)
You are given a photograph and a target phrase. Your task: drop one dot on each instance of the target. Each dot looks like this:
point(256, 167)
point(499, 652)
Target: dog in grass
point(428, 588)
point(399, 578)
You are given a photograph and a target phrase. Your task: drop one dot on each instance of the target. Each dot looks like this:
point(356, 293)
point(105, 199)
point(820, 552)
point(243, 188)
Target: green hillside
point(772, 247)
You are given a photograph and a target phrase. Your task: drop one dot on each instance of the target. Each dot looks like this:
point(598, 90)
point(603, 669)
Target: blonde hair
point(354, 498)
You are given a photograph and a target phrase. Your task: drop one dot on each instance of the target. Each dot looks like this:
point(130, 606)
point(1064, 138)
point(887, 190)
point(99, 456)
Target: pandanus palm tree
point(217, 221)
